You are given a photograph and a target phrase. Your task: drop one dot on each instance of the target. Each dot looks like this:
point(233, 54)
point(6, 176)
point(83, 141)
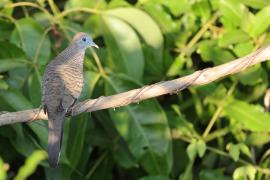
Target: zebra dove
point(61, 87)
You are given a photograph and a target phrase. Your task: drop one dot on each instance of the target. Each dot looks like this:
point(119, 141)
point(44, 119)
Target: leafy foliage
point(218, 130)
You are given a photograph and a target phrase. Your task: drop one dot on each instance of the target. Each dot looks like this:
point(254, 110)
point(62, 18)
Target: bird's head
point(83, 40)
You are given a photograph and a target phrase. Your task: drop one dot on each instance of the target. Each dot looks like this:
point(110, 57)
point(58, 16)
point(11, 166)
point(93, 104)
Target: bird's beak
point(94, 45)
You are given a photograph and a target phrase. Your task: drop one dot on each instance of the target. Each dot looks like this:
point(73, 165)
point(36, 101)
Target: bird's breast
point(72, 76)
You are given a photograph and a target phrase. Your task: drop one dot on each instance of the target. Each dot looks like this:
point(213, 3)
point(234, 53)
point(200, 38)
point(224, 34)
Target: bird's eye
point(83, 39)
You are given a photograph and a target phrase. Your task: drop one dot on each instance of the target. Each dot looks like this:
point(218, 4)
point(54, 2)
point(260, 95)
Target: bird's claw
point(69, 112)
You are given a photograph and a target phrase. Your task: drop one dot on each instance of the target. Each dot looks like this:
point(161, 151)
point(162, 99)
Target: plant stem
point(258, 168)
point(200, 33)
point(259, 41)
point(40, 44)
point(212, 121)
point(216, 134)
point(34, 5)
point(96, 58)
point(66, 12)
point(218, 111)
point(195, 39)
point(16, 26)
point(98, 162)
point(53, 7)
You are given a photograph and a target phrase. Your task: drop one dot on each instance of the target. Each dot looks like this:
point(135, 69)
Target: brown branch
point(200, 77)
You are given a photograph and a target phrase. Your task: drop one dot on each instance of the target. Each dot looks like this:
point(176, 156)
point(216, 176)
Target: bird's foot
point(69, 112)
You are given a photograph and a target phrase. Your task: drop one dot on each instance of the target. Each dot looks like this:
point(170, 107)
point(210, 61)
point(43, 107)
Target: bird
point(61, 87)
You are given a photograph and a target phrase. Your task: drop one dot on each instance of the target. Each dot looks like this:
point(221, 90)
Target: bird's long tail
point(55, 136)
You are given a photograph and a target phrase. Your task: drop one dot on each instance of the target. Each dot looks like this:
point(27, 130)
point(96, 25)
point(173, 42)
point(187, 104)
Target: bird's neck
point(73, 55)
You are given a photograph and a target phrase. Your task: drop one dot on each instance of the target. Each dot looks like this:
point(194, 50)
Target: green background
point(215, 131)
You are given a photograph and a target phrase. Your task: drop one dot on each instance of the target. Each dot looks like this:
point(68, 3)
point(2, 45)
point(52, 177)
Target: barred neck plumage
point(72, 54)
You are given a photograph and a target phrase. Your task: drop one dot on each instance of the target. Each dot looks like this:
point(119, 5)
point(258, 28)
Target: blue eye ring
point(84, 39)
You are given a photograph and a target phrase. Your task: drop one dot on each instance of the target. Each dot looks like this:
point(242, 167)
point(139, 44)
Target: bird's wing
point(73, 82)
point(52, 92)
point(68, 99)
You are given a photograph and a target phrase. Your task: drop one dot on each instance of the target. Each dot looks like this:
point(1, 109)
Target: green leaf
point(11, 51)
point(192, 150)
point(13, 60)
point(202, 9)
point(15, 99)
point(143, 24)
point(258, 138)
point(232, 37)
point(247, 22)
point(209, 51)
point(8, 64)
point(177, 66)
point(34, 84)
point(3, 85)
point(234, 151)
point(120, 151)
point(83, 3)
point(148, 30)
point(30, 37)
point(242, 49)
point(3, 174)
point(123, 156)
point(92, 25)
point(154, 178)
point(183, 126)
point(196, 147)
point(214, 94)
point(148, 138)
point(124, 47)
point(6, 28)
point(218, 174)
point(18, 102)
point(232, 13)
point(177, 7)
point(6, 11)
point(31, 164)
point(244, 149)
point(260, 23)
point(90, 80)
point(75, 143)
point(41, 133)
point(244, 172)
point(252, 117)
point(255, 77)
point(163, 18)
point(251, 76)
point(201, 148)
point(18, 77)
point(256, 3)
point(189, 28)
point(20, 140)
point(118, 3)
point(11, 57)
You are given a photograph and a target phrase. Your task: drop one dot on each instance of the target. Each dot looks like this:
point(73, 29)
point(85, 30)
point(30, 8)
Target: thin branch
point(218, 111)
point(200, 77)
